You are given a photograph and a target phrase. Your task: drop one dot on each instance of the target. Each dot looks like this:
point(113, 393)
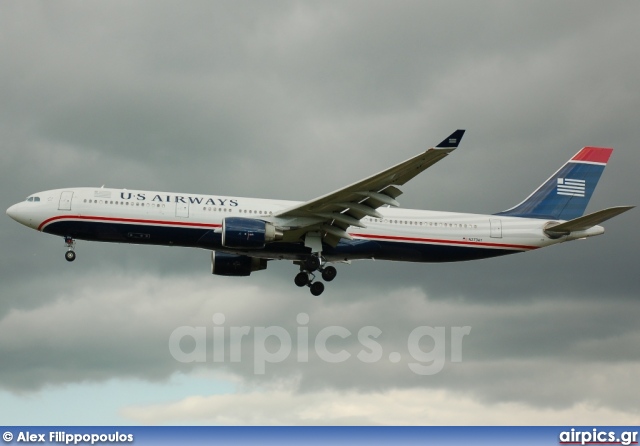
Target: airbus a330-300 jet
point(359, 221)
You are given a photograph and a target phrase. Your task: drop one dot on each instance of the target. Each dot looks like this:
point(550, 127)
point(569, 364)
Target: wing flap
point(392, 191)
point(336, 231)
point(362, 209)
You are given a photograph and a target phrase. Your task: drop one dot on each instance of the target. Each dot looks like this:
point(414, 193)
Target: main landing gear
point(306, 277)
point(314, 262)
point(70, 244)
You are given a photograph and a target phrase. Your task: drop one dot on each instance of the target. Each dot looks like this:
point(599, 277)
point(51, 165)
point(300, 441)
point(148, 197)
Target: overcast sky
point(292, 100)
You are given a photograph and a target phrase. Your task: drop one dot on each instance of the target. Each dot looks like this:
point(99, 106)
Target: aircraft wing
point(333, 213)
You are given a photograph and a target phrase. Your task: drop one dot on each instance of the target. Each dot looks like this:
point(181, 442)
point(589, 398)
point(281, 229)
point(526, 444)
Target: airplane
point(359, 221)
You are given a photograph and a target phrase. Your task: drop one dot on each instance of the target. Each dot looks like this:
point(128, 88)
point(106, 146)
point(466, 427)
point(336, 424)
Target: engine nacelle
point(223, 264)
point(247, 233)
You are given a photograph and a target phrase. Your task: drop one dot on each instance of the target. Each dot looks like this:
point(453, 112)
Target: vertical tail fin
point(565, 195)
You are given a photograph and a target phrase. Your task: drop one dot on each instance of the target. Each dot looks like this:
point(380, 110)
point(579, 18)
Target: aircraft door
point(182, 210)
point(496, 228)
point(65, 201)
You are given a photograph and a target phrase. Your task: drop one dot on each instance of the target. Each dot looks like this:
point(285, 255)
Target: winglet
point(452, 140)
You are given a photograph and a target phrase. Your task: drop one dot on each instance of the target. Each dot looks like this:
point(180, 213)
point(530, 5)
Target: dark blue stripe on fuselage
point(208, 239)
point(130, 233)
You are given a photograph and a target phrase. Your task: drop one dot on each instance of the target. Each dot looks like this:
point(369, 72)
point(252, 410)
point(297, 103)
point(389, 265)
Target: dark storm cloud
point(293, 100)
point(545, 353)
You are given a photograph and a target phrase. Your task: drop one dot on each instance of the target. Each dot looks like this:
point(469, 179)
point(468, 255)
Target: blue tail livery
point(565, 195)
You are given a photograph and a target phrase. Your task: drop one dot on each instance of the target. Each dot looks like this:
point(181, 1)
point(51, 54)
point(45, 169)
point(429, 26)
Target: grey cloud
point(543, 353)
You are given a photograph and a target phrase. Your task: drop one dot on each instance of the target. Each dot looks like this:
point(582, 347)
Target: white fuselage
point(161, 218)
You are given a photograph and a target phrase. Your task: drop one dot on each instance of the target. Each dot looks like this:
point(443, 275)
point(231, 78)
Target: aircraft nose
point(25, 215)
point(13, 212)
point(17, 212)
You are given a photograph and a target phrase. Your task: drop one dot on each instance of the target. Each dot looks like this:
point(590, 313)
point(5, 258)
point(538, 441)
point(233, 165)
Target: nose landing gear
point(70, 244)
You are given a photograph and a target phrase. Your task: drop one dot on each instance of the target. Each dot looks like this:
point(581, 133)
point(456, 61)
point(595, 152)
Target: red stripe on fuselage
point(446, 242)
point(127, 220)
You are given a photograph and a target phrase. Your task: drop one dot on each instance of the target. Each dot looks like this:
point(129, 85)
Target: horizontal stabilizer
point(587, 221)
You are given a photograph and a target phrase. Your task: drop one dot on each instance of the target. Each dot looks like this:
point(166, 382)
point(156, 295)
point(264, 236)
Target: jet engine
point(223, 264)
point(247, 233)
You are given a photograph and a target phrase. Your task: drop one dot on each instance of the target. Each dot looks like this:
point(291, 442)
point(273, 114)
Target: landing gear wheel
point(70, 256)
point(312, 263)
point(317, 288)
point(329, 273)
point(302, 279)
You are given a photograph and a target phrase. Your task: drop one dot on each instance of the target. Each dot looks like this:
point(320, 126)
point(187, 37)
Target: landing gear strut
point(70, 243)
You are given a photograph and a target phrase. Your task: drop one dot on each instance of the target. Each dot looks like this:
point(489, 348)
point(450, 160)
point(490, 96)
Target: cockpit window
point(33, 199)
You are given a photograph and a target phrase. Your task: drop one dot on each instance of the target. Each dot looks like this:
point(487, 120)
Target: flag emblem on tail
point(571, 187)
